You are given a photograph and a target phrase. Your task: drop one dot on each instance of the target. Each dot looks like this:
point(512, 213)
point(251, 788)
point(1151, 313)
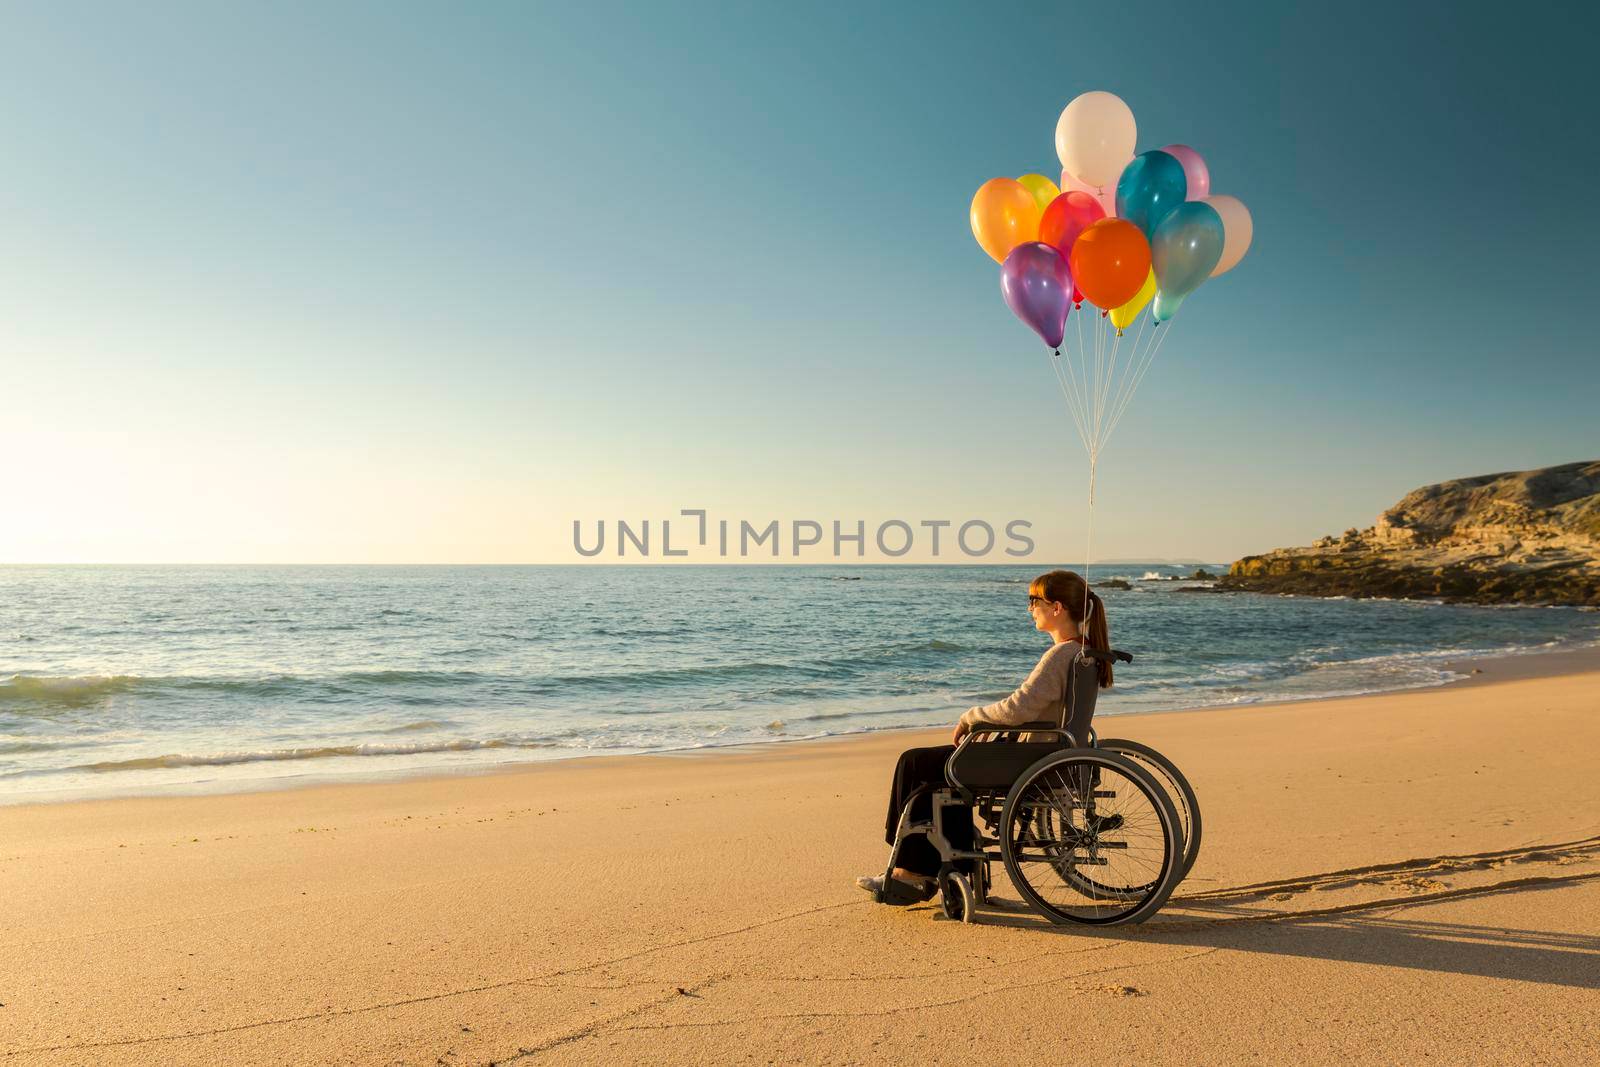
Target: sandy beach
point(1384, 879)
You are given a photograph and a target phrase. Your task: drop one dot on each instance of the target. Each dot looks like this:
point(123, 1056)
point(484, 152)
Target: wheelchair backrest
point(1083, 689)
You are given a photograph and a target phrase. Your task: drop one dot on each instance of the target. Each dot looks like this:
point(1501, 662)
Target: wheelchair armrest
point(1027, 727)
point(997, 731)
point(984, 732)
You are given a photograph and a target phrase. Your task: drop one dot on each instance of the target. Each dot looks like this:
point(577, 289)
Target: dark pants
point(919, 767)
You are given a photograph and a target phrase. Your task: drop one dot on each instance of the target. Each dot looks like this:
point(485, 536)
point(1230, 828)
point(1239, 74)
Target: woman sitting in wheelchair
point(1063, 607)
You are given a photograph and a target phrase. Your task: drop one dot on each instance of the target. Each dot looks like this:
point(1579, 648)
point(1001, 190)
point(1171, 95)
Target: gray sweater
point(1040, 695)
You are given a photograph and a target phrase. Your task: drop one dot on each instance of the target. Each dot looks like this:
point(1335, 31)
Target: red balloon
point(1067, 216)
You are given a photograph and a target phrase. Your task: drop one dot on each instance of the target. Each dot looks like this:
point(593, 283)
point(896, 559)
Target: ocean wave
point(17, 748)
point(69, 691)
point(420, 724)
point(831, 716)
point(1199, 700)
point(77, 691)
point(432, 687)
point(224, 759)
point(832, 668)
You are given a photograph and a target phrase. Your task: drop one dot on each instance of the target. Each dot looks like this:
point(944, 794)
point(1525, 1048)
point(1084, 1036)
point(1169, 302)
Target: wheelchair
point(1090, 830)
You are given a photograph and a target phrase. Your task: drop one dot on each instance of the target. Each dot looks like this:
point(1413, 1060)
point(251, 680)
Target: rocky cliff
point(1522, 537)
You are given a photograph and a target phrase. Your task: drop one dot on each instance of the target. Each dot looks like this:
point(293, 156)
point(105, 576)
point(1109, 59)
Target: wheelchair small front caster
point(956, 897)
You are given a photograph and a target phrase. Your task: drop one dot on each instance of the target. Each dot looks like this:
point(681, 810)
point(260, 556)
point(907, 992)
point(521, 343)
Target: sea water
point(117, 680)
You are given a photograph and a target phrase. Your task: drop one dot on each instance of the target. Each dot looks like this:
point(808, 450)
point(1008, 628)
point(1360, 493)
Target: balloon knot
point(1058, 353)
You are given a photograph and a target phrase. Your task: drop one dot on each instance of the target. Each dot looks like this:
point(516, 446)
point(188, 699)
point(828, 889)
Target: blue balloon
point(1150, 187)
point(1183, 253)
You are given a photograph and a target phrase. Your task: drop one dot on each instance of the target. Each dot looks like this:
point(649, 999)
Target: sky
point(421, 283)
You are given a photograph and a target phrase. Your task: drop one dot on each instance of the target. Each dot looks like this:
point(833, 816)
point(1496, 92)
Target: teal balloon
point(1151, 187)
point(1163, 308)
point(1183, 252)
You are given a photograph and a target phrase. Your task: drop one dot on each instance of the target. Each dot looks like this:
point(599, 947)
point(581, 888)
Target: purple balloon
point(1194, 169)
point(1037, 285)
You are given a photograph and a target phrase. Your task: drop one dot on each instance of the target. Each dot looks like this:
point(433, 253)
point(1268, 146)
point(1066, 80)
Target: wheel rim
point(1090, 838)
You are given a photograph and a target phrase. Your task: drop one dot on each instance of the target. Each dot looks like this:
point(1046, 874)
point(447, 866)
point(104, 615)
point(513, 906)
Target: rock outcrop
point(1523, 537)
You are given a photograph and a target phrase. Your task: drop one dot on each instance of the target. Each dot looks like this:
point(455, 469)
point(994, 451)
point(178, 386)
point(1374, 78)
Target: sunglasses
point(1034, 601)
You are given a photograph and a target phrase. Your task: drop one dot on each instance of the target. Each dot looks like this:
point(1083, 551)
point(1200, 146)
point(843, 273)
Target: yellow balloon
point(1123, 316)
point(1004, 215)
point(1043, 189)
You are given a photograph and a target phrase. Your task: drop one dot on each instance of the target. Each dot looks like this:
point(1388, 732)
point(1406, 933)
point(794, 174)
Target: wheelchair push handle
point(1110, 655)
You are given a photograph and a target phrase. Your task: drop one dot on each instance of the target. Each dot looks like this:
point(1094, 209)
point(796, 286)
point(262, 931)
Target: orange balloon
point(1110, 261)
point(1004, 215)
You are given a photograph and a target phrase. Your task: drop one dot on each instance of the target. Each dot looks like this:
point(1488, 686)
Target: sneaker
point(899, 892)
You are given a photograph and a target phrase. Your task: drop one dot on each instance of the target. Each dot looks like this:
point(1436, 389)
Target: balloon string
point(1080, 379)
point(1119, 402)
point(1111, 373)
point(1127, 375)
point(1158, 338)
point(1081, 352)
point(1075, 397)
point(1088, 557)
point(1100, 368)
point(1142, 372)
point(1132, 359)
point(1099, 378)
point(1054, 360)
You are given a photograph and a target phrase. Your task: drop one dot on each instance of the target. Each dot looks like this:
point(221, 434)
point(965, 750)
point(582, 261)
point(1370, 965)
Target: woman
point(1057, 603)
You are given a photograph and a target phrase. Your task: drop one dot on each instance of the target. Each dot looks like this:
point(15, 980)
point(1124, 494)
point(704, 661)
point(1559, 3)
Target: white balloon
point(1237, 229)
point(1095, 137)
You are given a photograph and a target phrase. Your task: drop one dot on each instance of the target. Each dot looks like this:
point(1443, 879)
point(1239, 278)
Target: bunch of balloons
point(1120, 231)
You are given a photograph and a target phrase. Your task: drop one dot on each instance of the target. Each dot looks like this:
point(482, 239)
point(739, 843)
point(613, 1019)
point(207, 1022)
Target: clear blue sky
point(407, 282)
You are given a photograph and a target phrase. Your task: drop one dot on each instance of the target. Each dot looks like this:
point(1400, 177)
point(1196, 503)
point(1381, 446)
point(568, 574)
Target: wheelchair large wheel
point(1166, 773)
point(1090, 837)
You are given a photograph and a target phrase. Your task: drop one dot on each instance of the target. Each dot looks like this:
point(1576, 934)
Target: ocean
point(139, 680)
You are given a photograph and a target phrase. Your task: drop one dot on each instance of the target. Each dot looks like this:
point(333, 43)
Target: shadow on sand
point(1370, 932)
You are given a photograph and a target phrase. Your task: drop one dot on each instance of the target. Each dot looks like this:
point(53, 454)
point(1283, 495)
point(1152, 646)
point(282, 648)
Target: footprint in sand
point(1420, 885)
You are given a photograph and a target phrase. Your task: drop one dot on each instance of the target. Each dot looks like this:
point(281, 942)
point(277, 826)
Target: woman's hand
point(962, 730)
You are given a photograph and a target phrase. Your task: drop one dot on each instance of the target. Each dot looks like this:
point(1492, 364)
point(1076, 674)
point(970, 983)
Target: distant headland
point(1530, 537)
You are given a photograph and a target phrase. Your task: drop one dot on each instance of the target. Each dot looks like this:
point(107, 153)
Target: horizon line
point(1121, 562)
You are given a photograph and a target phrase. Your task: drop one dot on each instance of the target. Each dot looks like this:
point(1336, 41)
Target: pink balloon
point(1107, 196)
point(1194, 169)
